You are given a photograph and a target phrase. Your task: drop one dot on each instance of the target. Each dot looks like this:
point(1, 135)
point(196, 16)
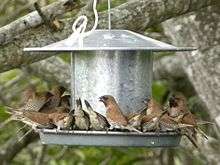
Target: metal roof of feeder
point(110, 40)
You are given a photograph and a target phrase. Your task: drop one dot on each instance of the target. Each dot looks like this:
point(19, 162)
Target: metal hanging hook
point(109, 14)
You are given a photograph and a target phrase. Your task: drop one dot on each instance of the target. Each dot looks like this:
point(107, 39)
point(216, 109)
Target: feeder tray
point(124, 71)
point(100, 138)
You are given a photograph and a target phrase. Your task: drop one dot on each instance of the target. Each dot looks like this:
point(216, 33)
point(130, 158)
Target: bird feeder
point(117, 63)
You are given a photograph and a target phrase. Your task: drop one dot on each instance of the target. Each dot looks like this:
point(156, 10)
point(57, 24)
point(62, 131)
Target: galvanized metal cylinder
point(126, 75)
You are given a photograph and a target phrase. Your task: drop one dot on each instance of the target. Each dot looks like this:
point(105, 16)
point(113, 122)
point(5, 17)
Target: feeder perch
point(117, 63)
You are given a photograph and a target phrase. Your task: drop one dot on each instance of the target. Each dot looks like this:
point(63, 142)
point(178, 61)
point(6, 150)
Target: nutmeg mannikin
point(61, 120)
point(81, 117)
point(28, 94)
point(177, 105)
point(42, 120)
point(35, 102)
point(97, 121)
point(180, 112)
point(134, 119)
point(114, 114)
point(55, 100)
point(150, 122)
point(32, 118)
point(65, 101)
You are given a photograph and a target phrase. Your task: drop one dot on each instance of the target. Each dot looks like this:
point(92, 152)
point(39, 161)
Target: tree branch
point(135, 15)
point(32, 20)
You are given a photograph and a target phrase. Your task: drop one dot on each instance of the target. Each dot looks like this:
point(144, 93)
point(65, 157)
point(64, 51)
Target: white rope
point(109, 14)
point(79, 32)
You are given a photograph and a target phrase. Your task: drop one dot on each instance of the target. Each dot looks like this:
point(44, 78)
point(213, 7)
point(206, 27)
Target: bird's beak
point(146, 101)
point(101, 99)
point(172, 99)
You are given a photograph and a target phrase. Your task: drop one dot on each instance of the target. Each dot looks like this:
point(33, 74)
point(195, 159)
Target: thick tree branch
point(32, 20)
point(134, 15)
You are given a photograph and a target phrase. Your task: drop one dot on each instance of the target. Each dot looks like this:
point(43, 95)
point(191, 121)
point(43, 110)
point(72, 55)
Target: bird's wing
point(102, 119)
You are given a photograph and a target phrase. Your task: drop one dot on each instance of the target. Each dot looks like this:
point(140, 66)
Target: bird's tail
point(185, 125)
point(15, 115)
point(198, 130)
point(3, 124)
point(79, 103)
point(12, 110)
point(192, 140)
point(189, 135)
point(88, 106)
point(201, 122)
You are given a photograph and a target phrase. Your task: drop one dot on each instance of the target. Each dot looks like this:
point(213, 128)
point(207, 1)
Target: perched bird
point(31, 101)
point(57, 92)
point(65, 101)
point(43, 120)
point(28, 94)
point(180, 112)
point(97, 121)
point(178, 109)
point(54, 100)
point(150, 122)
point(134, 119)
point(61, 120)
point(153, 107)
point(32, 118)
point(35, 102)
point(81, 117)
point(177, 105)
point(114, 114)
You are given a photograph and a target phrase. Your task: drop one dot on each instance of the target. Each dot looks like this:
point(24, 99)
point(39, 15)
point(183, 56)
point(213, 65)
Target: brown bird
point(178, 105)
point(61, 120)
point(55, 100)
point(114, 114)
point(180, 112)
point(31, 101)
point(97, 121)
point(134, 119)
point(32, 118)
point(154, 112)
point(149, 123)
point(43, 120)
point(28, 94)
point(35, 102)
point(153, 107)
point(81, 117)
point(65, 101)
